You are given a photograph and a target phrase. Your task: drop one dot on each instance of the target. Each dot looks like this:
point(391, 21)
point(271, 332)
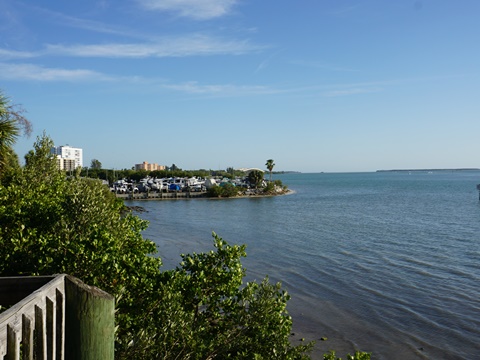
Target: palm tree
point(11, 122)
point(270, 164)
point(8, 132)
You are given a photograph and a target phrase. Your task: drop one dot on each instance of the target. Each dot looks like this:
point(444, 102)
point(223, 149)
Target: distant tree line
point(112, 175)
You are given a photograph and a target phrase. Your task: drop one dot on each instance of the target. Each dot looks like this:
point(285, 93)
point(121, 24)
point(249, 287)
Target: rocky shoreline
point(176, 195)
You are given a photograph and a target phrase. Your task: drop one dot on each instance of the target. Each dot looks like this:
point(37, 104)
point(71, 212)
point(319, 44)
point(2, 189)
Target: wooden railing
point(55, 317)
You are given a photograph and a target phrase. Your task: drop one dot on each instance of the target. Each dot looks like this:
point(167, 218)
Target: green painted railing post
point(89, 322)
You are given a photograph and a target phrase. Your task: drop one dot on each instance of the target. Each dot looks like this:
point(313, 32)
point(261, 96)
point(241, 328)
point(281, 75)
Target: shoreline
point(192, 195)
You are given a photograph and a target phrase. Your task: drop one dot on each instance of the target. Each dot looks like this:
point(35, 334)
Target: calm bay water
point(382, 262)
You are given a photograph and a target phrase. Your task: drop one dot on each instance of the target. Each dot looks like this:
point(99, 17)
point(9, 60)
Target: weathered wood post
point(89, 322)
point(478, 188)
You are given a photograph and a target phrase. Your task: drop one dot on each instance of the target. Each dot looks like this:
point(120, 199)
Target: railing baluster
point(13, 344)
point(27, 338)
point(50, 327)
point(40, 332)
point(60, 300)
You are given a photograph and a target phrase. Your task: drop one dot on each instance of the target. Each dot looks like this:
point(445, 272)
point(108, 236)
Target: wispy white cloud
point(91, 25)
point(39, 73)
point(13, 54)
point(180, 46)
point(264, 64)
point(195, 9)
point(166, 47)
point(31, 72)
point(62, 19)
point(194, 87)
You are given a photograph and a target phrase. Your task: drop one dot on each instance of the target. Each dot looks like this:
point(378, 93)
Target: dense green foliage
point(269, 189)
point(225, 190)
point(275, 187)
point(54, 224)
point(51, 224)
point(255, 177)
point(205, 313)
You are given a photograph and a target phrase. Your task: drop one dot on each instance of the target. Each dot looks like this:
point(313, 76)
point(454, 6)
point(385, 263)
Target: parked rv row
point(193, 184)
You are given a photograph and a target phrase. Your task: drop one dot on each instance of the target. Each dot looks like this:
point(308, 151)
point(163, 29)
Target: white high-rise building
point(70, 153)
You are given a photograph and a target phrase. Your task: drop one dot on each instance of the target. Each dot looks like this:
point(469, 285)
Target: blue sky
point(331, 85)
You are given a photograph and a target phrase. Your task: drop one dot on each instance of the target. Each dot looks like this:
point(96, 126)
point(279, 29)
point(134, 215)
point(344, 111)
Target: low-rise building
point(149, 167)
point(66, 164)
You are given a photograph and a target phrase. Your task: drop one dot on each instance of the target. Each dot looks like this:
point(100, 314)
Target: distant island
point(428, 170)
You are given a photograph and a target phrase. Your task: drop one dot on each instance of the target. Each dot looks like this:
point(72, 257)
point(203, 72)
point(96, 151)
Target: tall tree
point(270, 165)
point(12, 122)
point(8, 135)
point(255, 177)
point(95, 164)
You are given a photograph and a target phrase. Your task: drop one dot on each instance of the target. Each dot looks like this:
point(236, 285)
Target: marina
point(189, 188)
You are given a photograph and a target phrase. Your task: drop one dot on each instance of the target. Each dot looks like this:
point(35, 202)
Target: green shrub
point(229, 190)
point(208, 312)
point(214, 191)
point(269, 189)
point(225, 190)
